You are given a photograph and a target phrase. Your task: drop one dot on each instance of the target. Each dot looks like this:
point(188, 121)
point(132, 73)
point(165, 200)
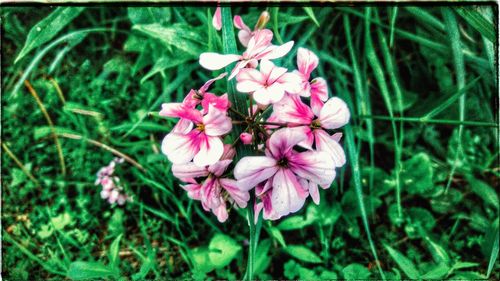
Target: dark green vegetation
point(422, 146)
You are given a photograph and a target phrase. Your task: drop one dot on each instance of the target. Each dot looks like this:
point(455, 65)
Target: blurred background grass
point(77, 87)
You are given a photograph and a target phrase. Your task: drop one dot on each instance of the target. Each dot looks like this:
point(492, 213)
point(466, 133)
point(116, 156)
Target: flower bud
point(262, 21)
point(246, 138)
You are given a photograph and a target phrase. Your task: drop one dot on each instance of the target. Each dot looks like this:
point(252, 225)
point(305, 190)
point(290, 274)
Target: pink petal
point(307, 61)
point(207, 84)
point(179, 110)
point(279, 51)
point(221, 213)
point(188, 170)
point(312, 188)
point(211, 149)
point(307, 143)
point(183, 126)
point(179, 148)
point(193, 190)
point(315, 166)
point(334, 114)
point(316, 105)
point(239, 196)
point(214, 61)
point(244, 37)
point(291, 109)
point(229, 152)
point(272, 72)
point(220, 102)
point(336, 137)
point(291, 82)
point(269, 95)
point(239, 67)
point(252, 170)
point(258, 43)
point(217, 19)
point(219, 168)
point(249, 80)
point(105, 193)
point(288, 196)
point(283, 140)
point(326, 143)
point(319, 88)
point(216, 122)
point(240, 24)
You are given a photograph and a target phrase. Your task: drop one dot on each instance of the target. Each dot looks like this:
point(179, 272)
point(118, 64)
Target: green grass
point(416, 199)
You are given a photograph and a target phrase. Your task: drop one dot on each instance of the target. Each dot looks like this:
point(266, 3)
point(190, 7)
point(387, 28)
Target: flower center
point(315, 124)
point(283, 162)
point(200, 127)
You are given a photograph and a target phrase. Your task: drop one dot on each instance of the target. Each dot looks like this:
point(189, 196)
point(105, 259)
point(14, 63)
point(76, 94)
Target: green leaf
point(302, 253)
point(61, 221)
point(355, 271)
point(404, 263)
point(417, 174)
point(114, 251)
point(146, 15)
point(437, 272)
point(45, 131)
point(165, 63)
point(47, 28)
point(178, 35)
point(222, 250)
point(438, 252)
point(491, 245)
point(484, 190)
point(309, 11)
point(201, 260)
point(80, 270)
point(263, 258)
point(276, 233)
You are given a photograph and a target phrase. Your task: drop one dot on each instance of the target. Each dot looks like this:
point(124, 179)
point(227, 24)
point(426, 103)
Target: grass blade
point(381, 81)
point(458, 60)
point(477, 21)
point(51, 124)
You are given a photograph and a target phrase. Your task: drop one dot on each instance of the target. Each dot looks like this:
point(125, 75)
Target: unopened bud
point(263, 20)
point(246, 138)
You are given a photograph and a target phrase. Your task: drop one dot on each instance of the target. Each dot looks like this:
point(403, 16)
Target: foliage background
point(421, 83)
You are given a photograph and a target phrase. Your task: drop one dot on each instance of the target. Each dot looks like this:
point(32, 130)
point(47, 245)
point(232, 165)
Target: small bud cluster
point(112, 190)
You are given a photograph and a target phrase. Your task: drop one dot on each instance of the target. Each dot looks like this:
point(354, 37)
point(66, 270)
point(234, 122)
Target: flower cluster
point(290, 126)
point(112, 190)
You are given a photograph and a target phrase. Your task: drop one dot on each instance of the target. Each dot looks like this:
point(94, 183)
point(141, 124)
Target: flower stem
point(254, 240)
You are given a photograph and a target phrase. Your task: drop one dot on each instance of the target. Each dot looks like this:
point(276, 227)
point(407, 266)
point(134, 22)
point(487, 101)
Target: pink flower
point(217, 19)
point(215, 190)
point(246, 138)
point(202, 143)
point(245, 33)
point(317, 89)
point(203, 97)
point(332, 115)
point(259, 48)
point(287, 174)
point(268, 84)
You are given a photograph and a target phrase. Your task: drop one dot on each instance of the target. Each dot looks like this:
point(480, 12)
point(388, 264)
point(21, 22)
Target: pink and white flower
point(286, 174)
point(259, 48)
point(332, 115)
point(269, 84)
point(317, 89)
point(214, 191)
point(202, 143)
